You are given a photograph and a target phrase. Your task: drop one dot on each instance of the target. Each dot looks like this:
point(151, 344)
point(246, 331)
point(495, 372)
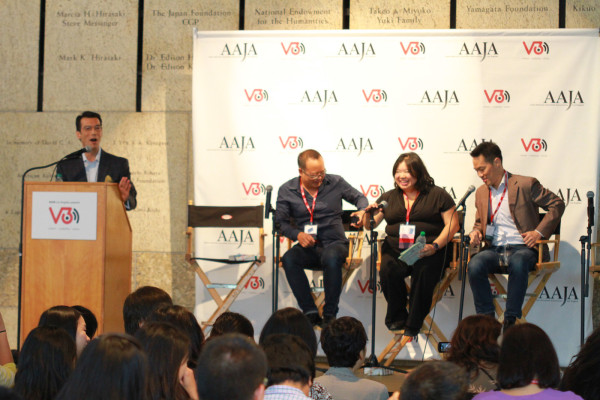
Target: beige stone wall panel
point(290, 14)
point(399, 14)
point(507, 14)
point(19, 41)
point(582, 14)
point(168, 47)
point(90, 57)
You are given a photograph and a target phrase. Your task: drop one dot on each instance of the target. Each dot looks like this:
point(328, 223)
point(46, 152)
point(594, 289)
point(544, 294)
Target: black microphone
point(380, 206)
point(269, 189)
point(590, 208)
point(77, 153)
point(461, 203)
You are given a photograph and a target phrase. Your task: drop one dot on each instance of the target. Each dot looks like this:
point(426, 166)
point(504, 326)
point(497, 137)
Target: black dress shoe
point(315, 319)
point(395, 326)
point(327, 319)
point(508, 322)
point(412, 332)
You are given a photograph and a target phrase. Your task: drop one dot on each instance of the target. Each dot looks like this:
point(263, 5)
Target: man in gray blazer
point(508, 219)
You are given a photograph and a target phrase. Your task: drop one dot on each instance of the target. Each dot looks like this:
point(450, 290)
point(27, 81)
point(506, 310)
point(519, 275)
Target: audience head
point(8, 394)
point(186, 322)
point(417, 169)
point(435, 380)
point(91, 323)
point(70, 320)
point(232, 322)
point(343, 341)
point(583, 374)
point(289, 360)
point(140, 304)
point(527, 353)
point(474, 341)
point(167, 349)
point(293, 321)
point(231, 367)
point(112, 367)
point(46, 360)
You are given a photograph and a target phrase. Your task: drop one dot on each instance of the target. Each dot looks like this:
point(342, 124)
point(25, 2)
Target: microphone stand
point(463, 251)
point(585, 270)
point(275, 249)
point(372, 361)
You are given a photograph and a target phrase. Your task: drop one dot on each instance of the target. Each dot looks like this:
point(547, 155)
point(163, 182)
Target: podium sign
point(64, 215)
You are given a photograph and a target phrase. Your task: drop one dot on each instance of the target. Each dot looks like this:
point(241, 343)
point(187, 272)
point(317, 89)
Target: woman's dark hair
point(232, 322)
point(186, 322)
point(474, 341)
point(526, 354)
point(582, 375)
point(62, 317)
point(167, 348)
point(293, 321)
point(111, 367)
point(417, 169)
point(91, 323)
point(288, 358)
point(342, 342)
point(47, 359)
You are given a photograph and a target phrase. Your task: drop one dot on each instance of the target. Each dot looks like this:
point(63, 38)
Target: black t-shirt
point(425, 213)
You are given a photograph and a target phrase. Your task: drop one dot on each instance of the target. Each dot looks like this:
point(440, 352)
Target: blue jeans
point(330, 259)
point(521, 260)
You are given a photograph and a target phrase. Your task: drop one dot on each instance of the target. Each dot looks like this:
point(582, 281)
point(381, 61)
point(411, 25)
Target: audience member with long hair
point(528, 366)
point(7, 364)
point(46, 360)
point(167, 349)
point(112, 367)
point(70, 320)
point(474, 346)
point(582, 376)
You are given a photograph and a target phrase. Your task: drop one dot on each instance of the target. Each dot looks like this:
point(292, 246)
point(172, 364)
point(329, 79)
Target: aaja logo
point(232, 236)
point(560, 295)
point(255, 283)
point(66, 215)
point(256, 95)
point(237, 50)
point(375, 95)
point(535, 144)
point(319, 97)
point(536, 47)
point(442, 98)
point(359, 144)
point(414, 48)
point(237, 143)
point(411, 143)
point(563, 98)
point(450, 190)
point(569, 195)
point(467, 145)
point(373, 191)
point(292, 142)
point(360, 50)
point(293, 48)
point(254, 188)
point(498, 96)
point(482, 50)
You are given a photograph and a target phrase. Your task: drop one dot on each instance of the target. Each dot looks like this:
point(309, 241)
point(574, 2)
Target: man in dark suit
point(97, 165)
point(508, 217)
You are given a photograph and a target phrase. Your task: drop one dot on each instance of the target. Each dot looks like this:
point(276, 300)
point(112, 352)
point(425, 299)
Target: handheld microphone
point(590, 208)
point(269, 189)
point(380, 206)
point(462, 201)
point(77, 153)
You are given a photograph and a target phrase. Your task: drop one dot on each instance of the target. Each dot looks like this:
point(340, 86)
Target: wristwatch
point(435, 246)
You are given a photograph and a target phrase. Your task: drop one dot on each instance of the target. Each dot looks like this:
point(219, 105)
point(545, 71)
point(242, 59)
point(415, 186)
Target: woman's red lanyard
point(501, 198)
point(310, 211)
point(408, 207)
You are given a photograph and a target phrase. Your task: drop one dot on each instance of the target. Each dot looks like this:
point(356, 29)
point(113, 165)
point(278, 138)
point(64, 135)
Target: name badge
point(490, 232)
point(407, 236)
point(311, 229)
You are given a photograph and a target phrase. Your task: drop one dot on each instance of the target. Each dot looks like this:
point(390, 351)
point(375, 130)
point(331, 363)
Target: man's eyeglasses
point(96, 128)
point(316, 176)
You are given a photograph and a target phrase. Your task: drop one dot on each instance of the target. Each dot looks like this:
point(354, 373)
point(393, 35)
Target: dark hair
point(86, 114)
point(527, 353)
point(417, 169)
point(112, 367)
point(166, 348)
point(582, 375)
point(289, 359)
point(140, 304)
point(8, 394)
point(293, 321)
point(62, 317)
point(91, 323)
point(489, 150)
point(47, 359)
point(342, 341)
point(435, 380)
point(474, 341)
point(230, 367)
point(305, 155)
point(232, 322)
point(186, 322)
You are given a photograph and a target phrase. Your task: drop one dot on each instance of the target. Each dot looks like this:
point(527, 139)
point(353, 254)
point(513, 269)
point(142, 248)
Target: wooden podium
point(92, 273)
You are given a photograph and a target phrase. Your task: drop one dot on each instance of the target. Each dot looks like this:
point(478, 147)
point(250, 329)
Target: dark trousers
point(425, 274)
point(330, 260)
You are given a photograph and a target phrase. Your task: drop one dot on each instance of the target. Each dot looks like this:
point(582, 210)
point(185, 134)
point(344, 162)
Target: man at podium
point(96, 165)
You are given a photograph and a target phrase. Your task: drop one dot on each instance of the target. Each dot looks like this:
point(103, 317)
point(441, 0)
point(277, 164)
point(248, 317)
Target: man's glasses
point(316, 176)
point(96, 128)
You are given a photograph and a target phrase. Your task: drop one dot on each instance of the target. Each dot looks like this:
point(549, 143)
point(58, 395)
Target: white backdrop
point(361, 98)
